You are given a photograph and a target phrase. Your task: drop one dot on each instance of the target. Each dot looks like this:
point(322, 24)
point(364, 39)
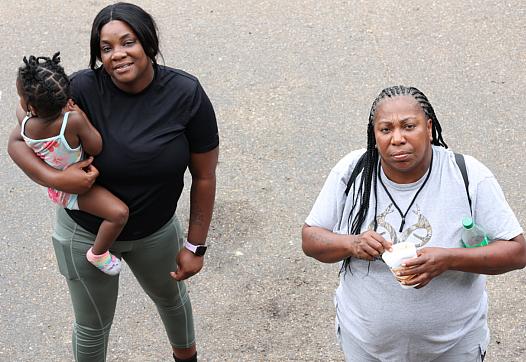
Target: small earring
point(29, 114)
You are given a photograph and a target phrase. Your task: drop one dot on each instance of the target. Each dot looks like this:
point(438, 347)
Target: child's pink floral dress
point(57, 153)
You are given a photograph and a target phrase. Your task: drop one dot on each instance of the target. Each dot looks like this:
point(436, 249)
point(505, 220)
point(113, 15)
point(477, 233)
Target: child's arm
point(89, 137)
point(76, 179)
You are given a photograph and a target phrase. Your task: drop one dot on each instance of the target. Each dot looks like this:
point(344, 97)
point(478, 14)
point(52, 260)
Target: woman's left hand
point(188, 264)
point(429, 263)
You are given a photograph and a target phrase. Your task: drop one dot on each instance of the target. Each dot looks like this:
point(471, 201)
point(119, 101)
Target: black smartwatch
point(198, 250)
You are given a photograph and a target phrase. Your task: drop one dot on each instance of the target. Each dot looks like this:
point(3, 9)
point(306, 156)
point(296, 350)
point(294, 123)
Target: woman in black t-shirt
point(155, 122)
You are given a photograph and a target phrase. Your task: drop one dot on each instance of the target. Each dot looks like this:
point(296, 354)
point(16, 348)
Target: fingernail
point(403, 264)
point(398, 273)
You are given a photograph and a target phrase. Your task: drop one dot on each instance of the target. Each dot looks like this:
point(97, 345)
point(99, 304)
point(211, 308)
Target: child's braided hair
point(45, 85)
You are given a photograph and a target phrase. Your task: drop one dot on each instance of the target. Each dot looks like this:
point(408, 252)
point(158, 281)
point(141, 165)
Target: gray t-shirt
point(396, 324)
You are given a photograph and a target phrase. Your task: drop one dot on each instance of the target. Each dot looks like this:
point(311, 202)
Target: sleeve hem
point(205, 148)
point(510, 235)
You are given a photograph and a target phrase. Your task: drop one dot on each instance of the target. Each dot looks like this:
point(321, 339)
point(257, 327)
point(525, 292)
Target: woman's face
point(403, 136)
point(123, 57)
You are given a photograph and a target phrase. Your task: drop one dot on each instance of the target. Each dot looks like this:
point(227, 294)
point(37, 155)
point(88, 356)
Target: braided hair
point(368, 168)
point(44, 84)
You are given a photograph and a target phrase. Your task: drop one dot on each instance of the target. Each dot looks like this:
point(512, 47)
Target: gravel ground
point(292, 83)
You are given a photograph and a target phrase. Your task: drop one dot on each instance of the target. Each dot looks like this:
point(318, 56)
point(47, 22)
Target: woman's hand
point(369, 245)
point(330, 247)
point(188, 264)
point(79, 177)
point(429, 263)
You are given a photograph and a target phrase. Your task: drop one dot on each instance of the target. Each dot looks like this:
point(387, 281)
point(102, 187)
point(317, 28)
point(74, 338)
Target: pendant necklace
point(402, 215)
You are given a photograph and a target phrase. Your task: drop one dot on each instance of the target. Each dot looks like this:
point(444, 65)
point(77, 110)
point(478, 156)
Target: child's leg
point(100, 202)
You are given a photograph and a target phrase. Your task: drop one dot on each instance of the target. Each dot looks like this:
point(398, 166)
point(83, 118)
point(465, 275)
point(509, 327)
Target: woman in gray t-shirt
point(407, 187)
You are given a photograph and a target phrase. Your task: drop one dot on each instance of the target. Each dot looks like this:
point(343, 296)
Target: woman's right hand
point(369, 245)
point(78, 178)
point(330, 247)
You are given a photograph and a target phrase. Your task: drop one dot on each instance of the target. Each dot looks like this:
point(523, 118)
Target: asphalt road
point(292, 83)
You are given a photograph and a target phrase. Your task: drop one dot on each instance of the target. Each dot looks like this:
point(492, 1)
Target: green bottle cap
point(467, 222)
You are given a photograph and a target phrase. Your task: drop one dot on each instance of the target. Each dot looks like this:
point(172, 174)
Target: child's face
point(23, 101)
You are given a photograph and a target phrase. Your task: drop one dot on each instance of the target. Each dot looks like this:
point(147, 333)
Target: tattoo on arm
point(318, 238)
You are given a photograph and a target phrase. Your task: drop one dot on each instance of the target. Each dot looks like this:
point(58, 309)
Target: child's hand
point(71, 106)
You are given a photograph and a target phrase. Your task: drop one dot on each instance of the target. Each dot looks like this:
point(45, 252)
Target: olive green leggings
point(94, 294)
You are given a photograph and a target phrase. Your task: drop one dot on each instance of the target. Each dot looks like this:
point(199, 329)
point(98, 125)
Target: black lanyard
point(414, 198)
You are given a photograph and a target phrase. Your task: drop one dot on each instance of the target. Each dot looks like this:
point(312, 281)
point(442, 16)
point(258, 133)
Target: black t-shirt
point(147, 140)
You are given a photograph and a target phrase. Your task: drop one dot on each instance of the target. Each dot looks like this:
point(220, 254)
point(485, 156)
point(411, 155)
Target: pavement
point(292, 83)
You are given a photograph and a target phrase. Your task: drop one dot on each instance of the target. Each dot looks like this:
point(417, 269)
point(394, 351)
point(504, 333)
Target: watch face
point(200, 250)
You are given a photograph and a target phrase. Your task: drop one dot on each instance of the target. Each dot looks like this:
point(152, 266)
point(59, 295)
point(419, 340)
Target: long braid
point(45, 84)
point(368, 173)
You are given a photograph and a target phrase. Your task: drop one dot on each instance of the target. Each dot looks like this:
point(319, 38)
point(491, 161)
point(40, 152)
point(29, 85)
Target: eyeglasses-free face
point(403, 136)
point(123, 57)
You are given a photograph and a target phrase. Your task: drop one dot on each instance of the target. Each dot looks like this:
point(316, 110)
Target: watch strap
point(196, 249)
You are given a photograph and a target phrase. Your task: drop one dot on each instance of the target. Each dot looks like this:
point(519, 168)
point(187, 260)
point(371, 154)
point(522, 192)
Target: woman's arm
point(499, 257)
point(202, 194)
point(77, 178)
point(329, 247)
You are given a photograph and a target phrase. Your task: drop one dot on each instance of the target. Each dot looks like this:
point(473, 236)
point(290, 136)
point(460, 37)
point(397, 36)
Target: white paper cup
point(395, 258)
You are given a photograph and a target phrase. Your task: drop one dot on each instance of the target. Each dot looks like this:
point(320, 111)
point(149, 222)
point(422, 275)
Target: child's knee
point(121, 214)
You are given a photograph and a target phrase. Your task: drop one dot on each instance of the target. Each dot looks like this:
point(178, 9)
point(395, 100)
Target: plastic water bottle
point(473, 235)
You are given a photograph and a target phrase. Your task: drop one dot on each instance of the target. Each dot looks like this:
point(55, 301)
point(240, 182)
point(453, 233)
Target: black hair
point(369, 168)
point(139, 20)
point(44, 84)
